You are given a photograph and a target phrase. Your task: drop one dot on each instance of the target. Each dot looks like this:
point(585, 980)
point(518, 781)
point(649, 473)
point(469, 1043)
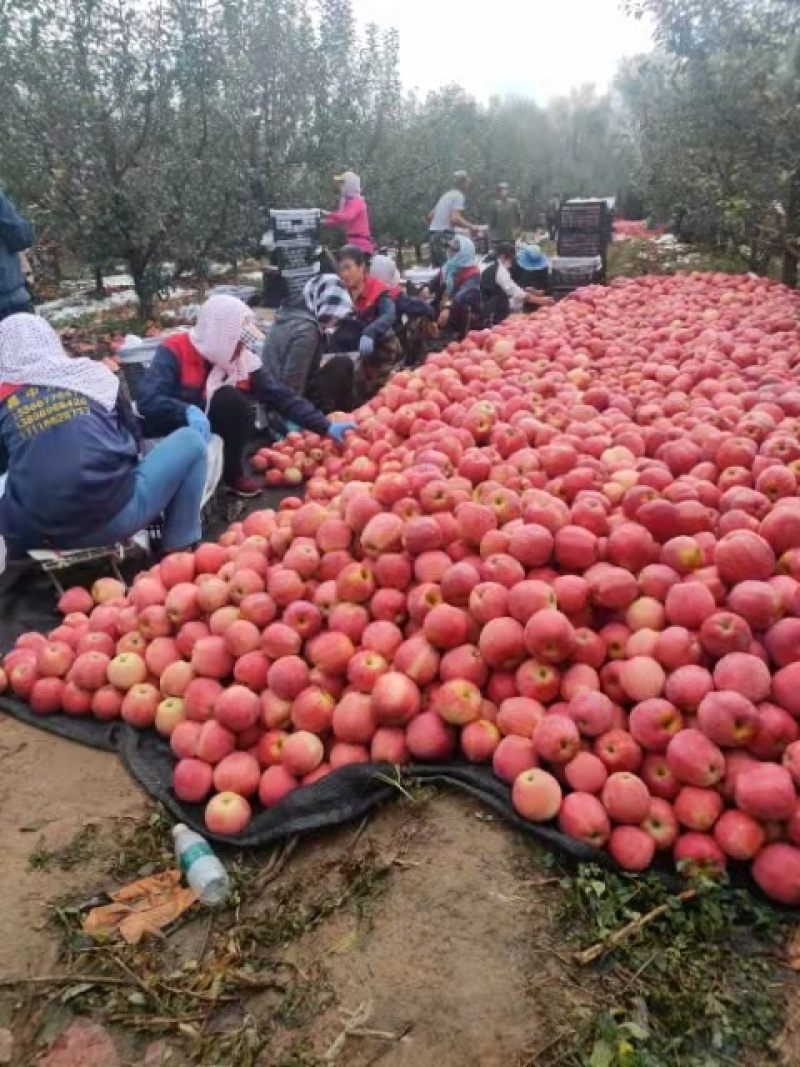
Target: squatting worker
point(297, 350)
point(208, 377)
point(372, 329)
point(68, 440)
point(500, 294)
point(458, 290)
point(447, 216)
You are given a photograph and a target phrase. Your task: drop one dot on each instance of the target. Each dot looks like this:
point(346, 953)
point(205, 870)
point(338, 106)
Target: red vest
point(193, 370)
point(373, 290)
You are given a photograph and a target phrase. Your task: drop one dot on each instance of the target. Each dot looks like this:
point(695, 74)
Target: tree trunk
point(143, 289)
point(99, 285)
point(792, 235)
point(418, 252)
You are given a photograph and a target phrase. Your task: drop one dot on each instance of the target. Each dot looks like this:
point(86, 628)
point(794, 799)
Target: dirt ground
point(441, 952)
point(425, 937)
point(50, 790)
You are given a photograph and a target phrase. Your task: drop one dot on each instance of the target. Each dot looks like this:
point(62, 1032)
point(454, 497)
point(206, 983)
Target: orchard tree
point(717, 118)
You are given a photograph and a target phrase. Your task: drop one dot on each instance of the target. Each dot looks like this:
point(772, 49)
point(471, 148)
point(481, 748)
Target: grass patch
point(700, 986)
point(633, 259)
point(81, 849)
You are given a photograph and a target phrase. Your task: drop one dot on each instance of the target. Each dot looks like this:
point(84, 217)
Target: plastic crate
point(572, 271)
point(578, 243)
point(295, 255)
point(136, 358)
point(296, 279)
point(301, 224)
point(135, 361)
point(584, 215)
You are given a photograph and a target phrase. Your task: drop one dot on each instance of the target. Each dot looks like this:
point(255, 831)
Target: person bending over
point(500, 294)
point(371, 330)
point(296, 348)
point(68, 441)
point(207, 378)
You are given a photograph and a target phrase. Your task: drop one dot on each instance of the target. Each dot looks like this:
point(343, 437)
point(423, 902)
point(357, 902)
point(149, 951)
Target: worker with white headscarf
point(208, 377)
point(68, 441)
point(353, 215)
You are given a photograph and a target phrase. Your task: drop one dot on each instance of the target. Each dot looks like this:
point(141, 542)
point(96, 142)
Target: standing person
point(505, 217)
point(352, 215)
point(68, 440)
point(205, 378)
point(371, 331)
point(553, 217)
point(16, 235)
point(446, 216)
point(297, 344)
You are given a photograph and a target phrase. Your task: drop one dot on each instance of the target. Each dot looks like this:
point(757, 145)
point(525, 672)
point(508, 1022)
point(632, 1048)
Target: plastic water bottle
point(200, 867)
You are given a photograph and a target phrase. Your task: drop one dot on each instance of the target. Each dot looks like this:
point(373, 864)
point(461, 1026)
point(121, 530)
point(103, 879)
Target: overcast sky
point(538, 48)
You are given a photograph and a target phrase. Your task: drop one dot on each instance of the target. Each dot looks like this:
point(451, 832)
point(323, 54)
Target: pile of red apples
point(567, 548)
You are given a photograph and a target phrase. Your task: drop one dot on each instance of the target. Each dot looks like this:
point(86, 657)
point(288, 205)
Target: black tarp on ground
point(27, 602)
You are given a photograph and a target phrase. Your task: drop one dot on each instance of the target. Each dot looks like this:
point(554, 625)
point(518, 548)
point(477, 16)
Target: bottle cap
point(178, 828)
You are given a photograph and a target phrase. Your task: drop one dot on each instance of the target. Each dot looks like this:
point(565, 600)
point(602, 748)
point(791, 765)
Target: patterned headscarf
point(326, 297)
point(223, 323)
point(31, 354)
point(459, 260)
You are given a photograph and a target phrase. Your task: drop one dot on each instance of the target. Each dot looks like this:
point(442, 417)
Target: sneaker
point(246, 487)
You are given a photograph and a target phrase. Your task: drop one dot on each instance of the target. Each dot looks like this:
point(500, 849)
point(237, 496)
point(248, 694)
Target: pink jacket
point(353, 218)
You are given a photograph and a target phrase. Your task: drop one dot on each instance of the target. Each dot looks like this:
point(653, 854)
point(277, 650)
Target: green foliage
point(699, 986)
point(164, 132)
point(713, 118)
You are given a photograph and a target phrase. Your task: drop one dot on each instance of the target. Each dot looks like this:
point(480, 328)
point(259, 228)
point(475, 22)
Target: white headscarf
point(385, 270)
point(31, 354)
point(351, 186)
point(221, 324)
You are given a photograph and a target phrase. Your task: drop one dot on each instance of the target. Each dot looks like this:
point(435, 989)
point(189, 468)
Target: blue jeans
point(169, 481)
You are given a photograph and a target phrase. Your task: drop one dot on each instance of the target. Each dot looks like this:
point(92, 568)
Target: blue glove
point(337, 430)
point(366, 345)
point(198, 421)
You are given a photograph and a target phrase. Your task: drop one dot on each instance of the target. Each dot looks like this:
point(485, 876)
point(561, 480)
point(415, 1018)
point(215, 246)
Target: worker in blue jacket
point(16, 234)
point(206, 377)
point(68, 442)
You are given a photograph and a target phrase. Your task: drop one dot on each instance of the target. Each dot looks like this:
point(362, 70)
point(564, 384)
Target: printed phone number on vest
point(46, 412)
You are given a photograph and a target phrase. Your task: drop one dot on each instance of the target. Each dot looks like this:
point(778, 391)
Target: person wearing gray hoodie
point(296, 346)
point(16, 234)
